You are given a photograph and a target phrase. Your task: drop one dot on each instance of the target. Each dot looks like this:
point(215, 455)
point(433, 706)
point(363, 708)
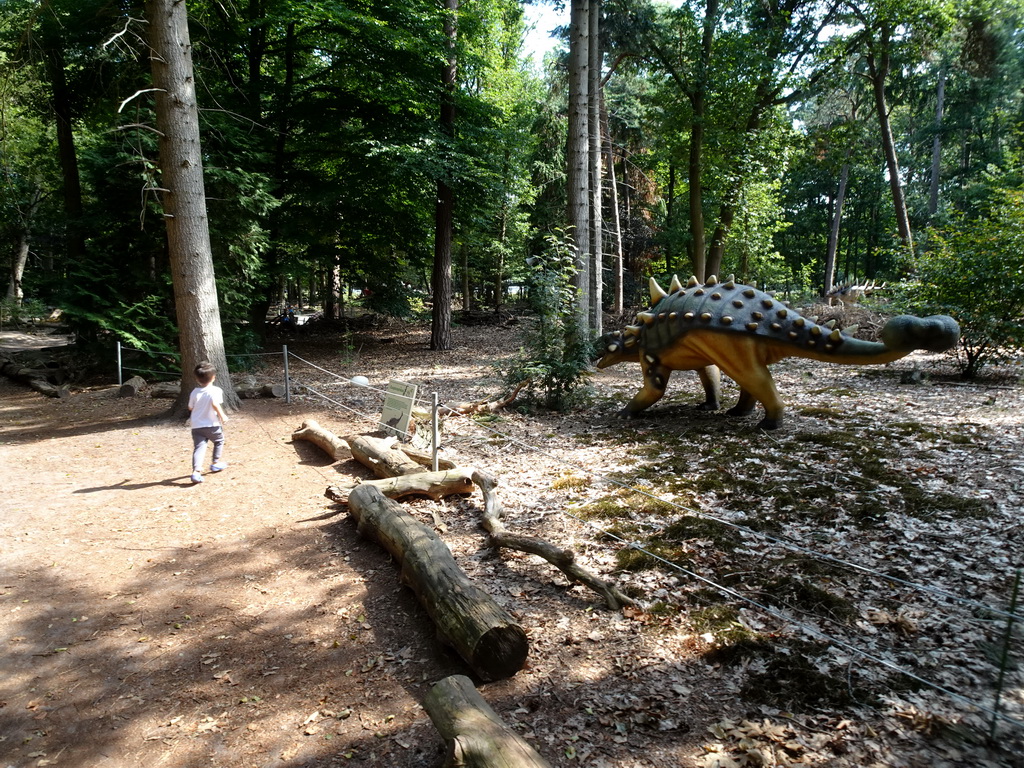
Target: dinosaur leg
point(655, 381)
point(756, 383)
point(711, 378)
point(744, 405)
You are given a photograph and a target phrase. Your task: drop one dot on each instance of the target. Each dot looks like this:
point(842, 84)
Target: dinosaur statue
point(741, 330)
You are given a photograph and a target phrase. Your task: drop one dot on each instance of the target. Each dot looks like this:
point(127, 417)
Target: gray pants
point(199, 438)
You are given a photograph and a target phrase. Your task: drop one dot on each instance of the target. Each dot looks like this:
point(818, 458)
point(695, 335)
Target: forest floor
point(801, 592)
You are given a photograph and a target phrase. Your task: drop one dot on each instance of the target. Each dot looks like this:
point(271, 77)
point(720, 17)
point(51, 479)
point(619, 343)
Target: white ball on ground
point(360, 381)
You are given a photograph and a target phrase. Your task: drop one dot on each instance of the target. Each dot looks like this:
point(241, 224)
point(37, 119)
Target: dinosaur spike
point(633, 330)
point(688, 316)
point(693, 282)
point(830, 324)
point(829, 347)
point(612, 347)
point(767, 303)
point(672, 315)
point(800, 322)
point(657, 292)
point(852, 329)
point(716, 295)
point(750, 293)
point(662, 315)
point(757, 315)
point(731, 279)
point(775, 327)
point(675, 286)
point(699, 292)
point(816, 330)
point(813, 318)
point(793, 334)
point(752, 326)
point(783, 313)
point(729, 285)
point(753, 284)
point(705, 317)
point(711, 281)
point(738, 303)
point(836, 335)
point(650, 358)
point(726, 320)
point(631, 341)
point(645, 317)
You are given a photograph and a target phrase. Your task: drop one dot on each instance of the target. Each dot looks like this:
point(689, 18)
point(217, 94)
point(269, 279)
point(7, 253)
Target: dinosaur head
point(614, 348)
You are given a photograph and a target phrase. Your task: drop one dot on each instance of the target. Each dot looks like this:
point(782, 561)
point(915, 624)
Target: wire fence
point(309, 378)
point(302, 376)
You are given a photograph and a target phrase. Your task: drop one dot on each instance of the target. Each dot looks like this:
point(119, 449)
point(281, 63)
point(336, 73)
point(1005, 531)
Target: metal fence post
point(119, 374)
point(287, 380)
point(435, 440)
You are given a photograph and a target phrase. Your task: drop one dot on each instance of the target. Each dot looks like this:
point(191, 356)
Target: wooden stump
point(267, 390)
point(476, 736)
point(165, 389)
point(132, 387)
point(468, 619)
point(323, 439)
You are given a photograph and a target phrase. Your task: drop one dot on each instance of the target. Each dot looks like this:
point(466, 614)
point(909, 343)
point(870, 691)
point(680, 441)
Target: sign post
point(397, 411)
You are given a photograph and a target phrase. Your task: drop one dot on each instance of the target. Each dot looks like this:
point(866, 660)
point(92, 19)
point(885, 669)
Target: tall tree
point(594, 84)
point(441, 282)
point(184, 198)
point(578, 160)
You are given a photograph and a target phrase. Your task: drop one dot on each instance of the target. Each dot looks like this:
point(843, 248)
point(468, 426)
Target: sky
point(544, 18)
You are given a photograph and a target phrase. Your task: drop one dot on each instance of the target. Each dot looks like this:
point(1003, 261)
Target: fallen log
point(132, 387)
point(468, 408)
point(444, 482)
point(563, 559)
point(255, 392)
point(323, 439)
point(165, 389)
point(468, 619)
point(476, 736)
point(35, 378)
point(382, 456)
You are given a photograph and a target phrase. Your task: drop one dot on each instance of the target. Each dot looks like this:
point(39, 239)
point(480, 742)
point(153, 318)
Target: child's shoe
point(196, 477)
point(219, 466)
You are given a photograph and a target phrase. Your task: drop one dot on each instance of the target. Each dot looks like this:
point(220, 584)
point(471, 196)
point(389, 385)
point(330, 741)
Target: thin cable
point(793, 545)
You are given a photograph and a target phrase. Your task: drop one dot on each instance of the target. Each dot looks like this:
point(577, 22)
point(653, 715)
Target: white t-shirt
point(201, 402)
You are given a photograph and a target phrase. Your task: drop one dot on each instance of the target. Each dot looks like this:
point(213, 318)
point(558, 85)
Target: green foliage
point(974, 271)
point(555, 360)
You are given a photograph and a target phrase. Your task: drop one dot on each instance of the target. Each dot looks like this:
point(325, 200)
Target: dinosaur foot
point(707, 406)
point(767, 423)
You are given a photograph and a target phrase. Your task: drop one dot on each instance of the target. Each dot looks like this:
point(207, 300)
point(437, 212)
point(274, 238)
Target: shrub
point(555, 360)
point(974, 271)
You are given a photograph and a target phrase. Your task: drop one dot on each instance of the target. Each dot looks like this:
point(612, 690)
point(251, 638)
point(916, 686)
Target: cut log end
point(500, 652)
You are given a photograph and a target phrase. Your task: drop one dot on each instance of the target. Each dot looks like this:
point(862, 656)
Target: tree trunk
point(933, 185)
point(878, 67)
point(577, 156)
point(441, 282)
point(833, 235)
point(613, 205)
point(476, 736)
point(63, 112)
point(594, 67)
point(698, 253)
point(484, 634)
point(181, 166)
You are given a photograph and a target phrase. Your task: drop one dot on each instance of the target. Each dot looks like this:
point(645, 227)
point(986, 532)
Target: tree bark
point(181, 173)
point(578, 164)
point(594, 68)
point(483, 633)
point(434, 485)
point(833, 235)
point(441, 282)
point(878, 69)
point(613, 206)
point(933, 185)
point(382, 456)
point(698, 97)
point(476, 736)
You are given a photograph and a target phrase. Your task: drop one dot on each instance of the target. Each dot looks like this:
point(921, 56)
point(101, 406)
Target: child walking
point(208, 417)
